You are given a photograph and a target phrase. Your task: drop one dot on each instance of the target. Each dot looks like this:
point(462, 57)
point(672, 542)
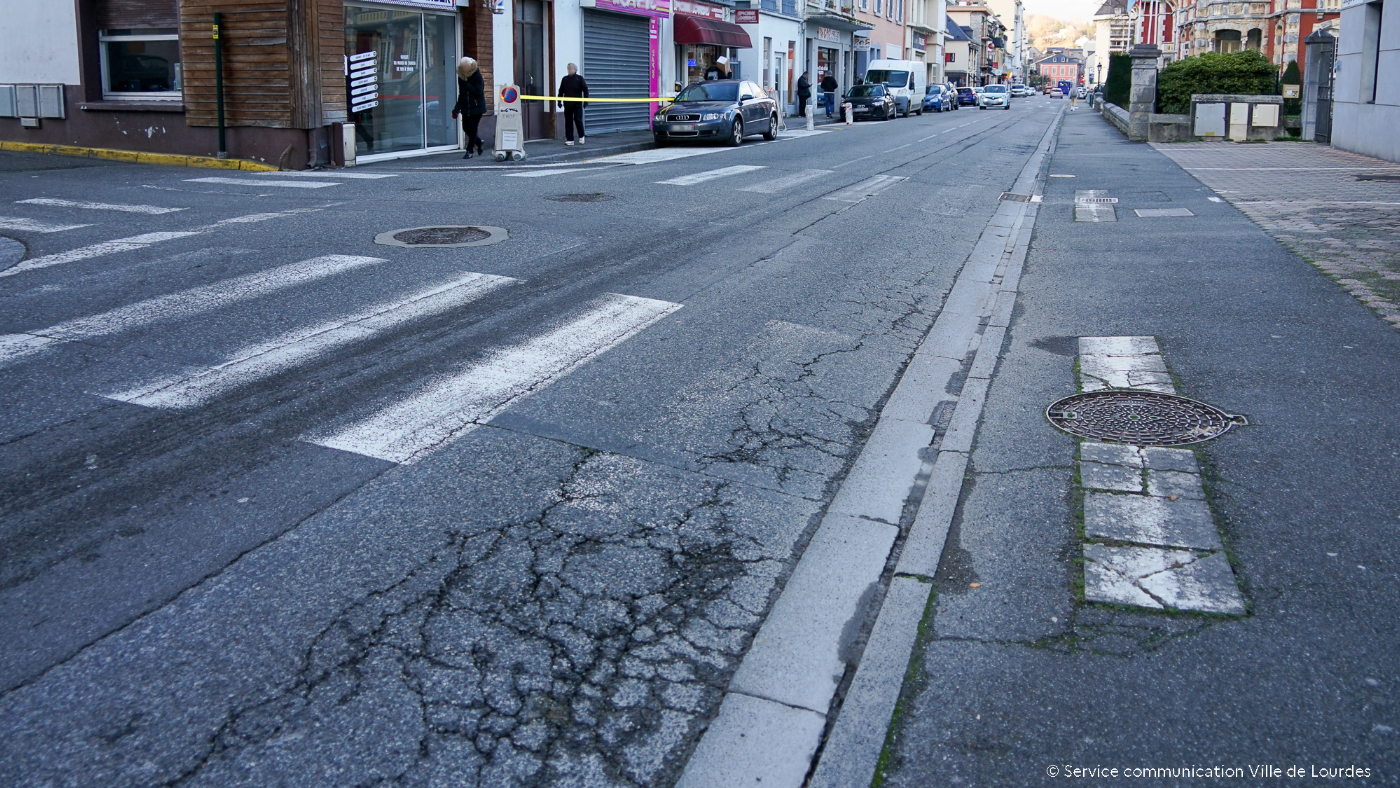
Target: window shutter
point(137, 14)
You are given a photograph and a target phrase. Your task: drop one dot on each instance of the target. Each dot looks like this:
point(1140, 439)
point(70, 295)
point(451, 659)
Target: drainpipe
point(219, 84)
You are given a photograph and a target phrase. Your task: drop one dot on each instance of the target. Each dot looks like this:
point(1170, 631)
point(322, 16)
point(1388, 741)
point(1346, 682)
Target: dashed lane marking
point(787, 182)
point(138, 242)
point(249, 182)
point(31, 226)
point(99, 206)
point(710, 175)
point(206, 298)
point(289, 350)
point(456, 404)
point(865, 189)
point(544, 173)
point(364, 176)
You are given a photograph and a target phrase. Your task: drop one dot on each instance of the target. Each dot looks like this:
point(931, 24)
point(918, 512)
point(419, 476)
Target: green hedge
point(1247, 72)
point(1120, 80)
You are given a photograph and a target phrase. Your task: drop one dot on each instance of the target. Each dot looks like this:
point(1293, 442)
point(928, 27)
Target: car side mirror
point(746, 97)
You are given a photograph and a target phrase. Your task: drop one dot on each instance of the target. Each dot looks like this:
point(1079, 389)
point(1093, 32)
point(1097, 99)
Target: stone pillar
point(1321, 47)
point(1142, 99)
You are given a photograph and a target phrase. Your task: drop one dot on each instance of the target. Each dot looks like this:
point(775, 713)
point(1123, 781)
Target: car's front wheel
point(661, 141)
point(736, 134)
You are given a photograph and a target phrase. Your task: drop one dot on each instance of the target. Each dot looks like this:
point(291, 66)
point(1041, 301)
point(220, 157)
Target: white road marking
point(453, 405)
point(31, 226)
point(656, 155)
point(781, 184)
point(793, 134)
point(723, 172)
point(901, 147)
point(242, 182)
point(1215, 199)
point(14, 347)
point(364, 176)
point(138, 242)
point(99, 206)
point(278, 355)
point(867, 188)
point(543, 173)
point(853, 161)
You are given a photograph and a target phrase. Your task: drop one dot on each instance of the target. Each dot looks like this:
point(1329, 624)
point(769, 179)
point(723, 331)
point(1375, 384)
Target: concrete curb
point(136, 157)
point(810, 640)
point(857, 739)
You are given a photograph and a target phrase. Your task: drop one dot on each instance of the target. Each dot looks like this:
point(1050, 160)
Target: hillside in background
point(1046, 31)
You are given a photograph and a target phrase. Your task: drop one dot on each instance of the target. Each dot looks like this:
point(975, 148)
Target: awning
point(701, 30)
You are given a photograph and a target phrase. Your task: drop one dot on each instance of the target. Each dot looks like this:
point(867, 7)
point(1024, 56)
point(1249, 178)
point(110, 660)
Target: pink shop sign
point(652, 8)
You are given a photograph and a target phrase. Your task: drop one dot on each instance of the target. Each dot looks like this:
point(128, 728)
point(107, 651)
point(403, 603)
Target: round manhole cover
point(449, 236)
point(1140, 418)
point(595, 197)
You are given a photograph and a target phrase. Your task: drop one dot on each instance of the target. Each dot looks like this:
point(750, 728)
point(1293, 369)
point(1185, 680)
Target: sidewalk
point(1015, 675)
point(1339, 211)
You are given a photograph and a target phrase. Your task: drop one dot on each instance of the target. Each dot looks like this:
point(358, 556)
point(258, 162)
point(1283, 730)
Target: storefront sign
point(920, 41)
point(654, 8)
point(445, 5)
point(827, 34)
point(746, 16)
point(699, 9)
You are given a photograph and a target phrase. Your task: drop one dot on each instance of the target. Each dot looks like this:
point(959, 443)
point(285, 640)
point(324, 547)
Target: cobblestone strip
point(1339, 211)
point(1150, 539)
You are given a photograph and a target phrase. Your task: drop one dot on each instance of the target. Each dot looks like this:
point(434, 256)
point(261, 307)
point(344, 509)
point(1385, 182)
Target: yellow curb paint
point(208, 162)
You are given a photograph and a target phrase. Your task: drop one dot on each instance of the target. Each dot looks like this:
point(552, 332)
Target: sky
point(1068, 10)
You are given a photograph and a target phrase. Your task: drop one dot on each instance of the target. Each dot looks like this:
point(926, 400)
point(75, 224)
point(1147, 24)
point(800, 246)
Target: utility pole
point(219, 84)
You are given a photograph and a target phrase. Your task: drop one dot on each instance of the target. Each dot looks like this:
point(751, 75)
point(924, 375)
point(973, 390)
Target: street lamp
point(1099, 81)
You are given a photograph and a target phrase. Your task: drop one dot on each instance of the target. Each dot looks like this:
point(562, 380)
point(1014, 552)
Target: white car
point(1020, 91)
point(998, 96)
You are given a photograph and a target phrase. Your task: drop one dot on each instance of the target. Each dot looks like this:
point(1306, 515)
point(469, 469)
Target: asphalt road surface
point(283, 506)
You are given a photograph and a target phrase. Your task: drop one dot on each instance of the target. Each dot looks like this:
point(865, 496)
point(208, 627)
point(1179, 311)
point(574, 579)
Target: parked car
point(726, 110)
point(1081, 93)
point(1020, 91)
point(998, 96)
point(870, 101)
point(903, 79)
point(938, 98)
point(967, 97)
point(1055, 93)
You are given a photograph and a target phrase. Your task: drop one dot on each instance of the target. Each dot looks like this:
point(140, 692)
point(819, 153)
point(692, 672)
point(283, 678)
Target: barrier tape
point(662, 99)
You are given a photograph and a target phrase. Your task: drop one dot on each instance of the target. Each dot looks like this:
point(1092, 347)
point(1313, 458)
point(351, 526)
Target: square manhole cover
point(1157, 213)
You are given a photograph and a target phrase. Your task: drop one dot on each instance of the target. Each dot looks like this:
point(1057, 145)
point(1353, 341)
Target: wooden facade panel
point(138, 14)
point(332, 61)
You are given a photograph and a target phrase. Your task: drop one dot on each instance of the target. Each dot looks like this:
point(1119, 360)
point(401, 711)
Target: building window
point(141, 64)
point(1371, 51)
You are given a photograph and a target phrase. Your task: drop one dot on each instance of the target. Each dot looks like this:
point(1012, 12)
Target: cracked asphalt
point(558, 596)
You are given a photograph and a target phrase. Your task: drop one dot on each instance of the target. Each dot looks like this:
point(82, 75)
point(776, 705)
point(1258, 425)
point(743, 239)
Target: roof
point(1107, 8)
point(955, 32)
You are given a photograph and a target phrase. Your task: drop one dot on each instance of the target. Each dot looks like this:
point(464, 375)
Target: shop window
point(141, 64)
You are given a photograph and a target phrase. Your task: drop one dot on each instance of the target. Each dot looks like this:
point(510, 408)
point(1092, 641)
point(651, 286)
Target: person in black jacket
point(573, 86)
point(471, 102)
point(829, 86)
point(804, 92)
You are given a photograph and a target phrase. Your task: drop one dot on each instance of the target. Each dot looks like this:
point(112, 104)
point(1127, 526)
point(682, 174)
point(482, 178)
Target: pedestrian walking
point(573, 86)
point(471, 102)
point(804, 92)
point(829, 86)
point(1073, 100)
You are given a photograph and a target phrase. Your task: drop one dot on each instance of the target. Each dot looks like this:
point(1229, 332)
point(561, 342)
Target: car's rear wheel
point(736, 134)
point(772, 132)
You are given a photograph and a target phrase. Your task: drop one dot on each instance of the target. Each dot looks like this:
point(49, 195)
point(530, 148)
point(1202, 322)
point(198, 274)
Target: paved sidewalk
point(1018, 679)
point(1339, 211)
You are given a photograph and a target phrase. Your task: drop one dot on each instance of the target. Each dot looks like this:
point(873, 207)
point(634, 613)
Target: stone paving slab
point(1158, 578)
point(1150, 520)
point(1317, 202)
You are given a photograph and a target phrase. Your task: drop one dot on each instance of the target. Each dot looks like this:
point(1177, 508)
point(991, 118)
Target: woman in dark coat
point(471, 102)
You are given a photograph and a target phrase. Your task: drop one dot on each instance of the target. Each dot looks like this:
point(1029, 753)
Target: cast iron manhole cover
point(595, 197)
point(1140, 418)
point(443, 236)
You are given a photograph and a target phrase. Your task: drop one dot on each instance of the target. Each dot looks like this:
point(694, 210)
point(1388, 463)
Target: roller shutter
point(616, 64)
point(137, 14)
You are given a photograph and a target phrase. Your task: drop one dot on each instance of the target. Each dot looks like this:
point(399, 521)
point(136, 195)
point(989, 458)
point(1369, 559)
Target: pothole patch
point(11, 252)
point(449, 236)
point(594, 197)
point(1139, 418)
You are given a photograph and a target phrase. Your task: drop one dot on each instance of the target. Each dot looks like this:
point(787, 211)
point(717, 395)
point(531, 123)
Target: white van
point(904, 79)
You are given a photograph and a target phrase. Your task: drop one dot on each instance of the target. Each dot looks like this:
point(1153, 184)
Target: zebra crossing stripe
point(278, 355)
point(30, 226)
point(723, 172)
point(869, 187)
point(99, 206)
point(543, 173)
point(16, 347)
point(286, 184)
point(453, 405)
point(783, 184)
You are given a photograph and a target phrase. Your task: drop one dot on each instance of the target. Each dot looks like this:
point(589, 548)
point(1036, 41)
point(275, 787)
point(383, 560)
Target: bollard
point(850, 112)
point(810, 115)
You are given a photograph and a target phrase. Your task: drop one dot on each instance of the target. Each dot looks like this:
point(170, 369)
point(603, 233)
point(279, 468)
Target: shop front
point(702, 35)
point(831, 47)
point(401, 81)
point(773, 60)
point(621, 46)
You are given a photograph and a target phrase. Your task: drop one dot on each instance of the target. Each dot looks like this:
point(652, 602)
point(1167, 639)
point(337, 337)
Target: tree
point(1292, 76)
point(1246, 72)
point(1117, 87)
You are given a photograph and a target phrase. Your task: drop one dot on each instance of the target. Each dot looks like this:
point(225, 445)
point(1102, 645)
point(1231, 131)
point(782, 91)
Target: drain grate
point(594, 197)
point(1140, 418)
point(447, 236)
point(1096, 200)
point(1013, 197)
